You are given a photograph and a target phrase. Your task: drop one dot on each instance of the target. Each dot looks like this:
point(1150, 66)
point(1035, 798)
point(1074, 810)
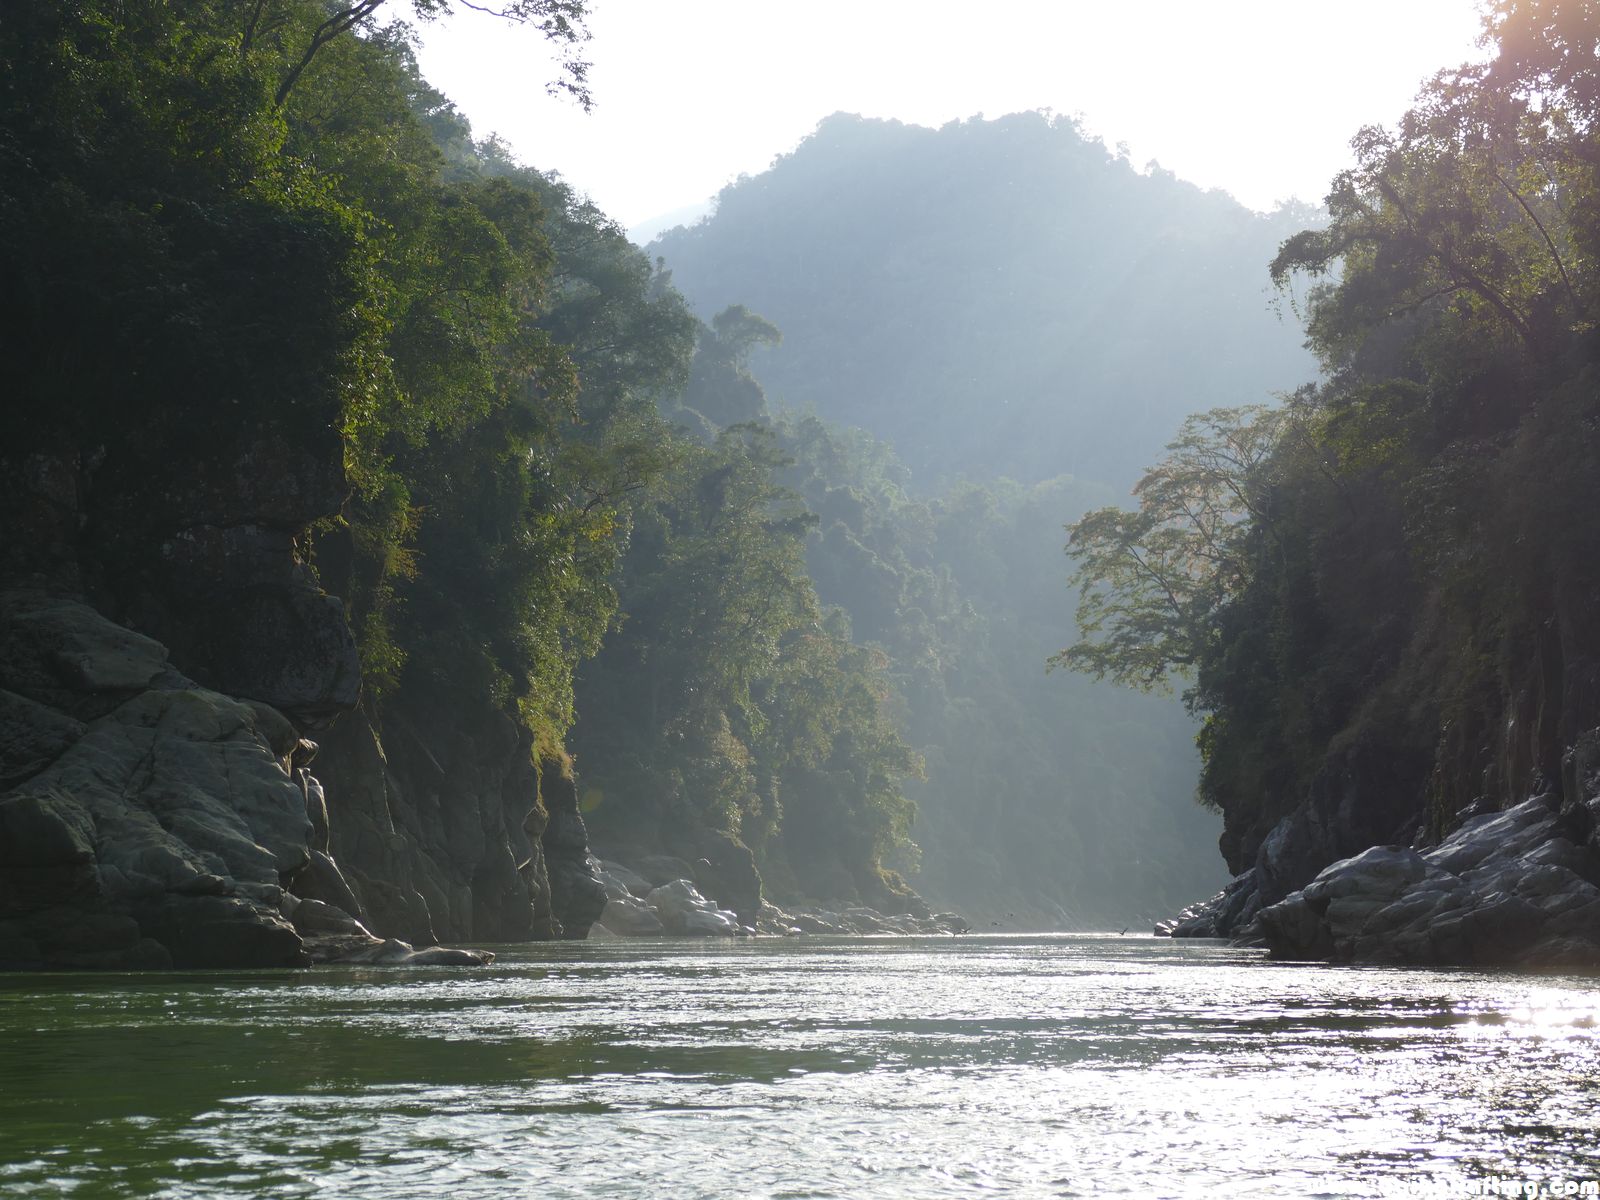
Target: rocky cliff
point(1505, 888)
point(1453, 818)
point(168, 668)
point(453, 828)
point(147, 821)
point(1516, 886)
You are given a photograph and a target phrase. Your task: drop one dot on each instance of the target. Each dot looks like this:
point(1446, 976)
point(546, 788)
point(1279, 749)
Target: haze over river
point(979, 1066)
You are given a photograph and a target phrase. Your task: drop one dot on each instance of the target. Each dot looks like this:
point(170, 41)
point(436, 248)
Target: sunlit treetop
point(562, 22)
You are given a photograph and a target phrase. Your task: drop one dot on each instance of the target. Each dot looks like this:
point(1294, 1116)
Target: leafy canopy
point(1151, 580)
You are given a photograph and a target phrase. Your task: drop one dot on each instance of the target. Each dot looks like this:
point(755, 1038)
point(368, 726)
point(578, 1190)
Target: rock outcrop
point(1505, 889)
point(1518, 887)
point(720, 866)
point(635, 907)
point(448, 829)
point(147, 821)
point(1353, 805)
point(1229, 909)
point(1364, 796)
point(684, 912)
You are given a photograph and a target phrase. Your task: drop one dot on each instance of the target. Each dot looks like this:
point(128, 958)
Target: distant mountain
point(998, 297)
point(646, 232)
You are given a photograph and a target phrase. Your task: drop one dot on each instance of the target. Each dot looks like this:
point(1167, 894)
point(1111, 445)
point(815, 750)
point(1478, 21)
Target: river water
point(993, 1066)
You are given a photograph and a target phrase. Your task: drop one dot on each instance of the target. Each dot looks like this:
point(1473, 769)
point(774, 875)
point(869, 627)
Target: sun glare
point(1257, 98)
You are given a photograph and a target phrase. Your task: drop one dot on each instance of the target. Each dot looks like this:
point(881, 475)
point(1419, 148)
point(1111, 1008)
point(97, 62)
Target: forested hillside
point(996, 297)
point(367, 421)
point(359, 418)
point(1015, 319)
point(1046, 800)
point(1039, 801)
point(1381, 596)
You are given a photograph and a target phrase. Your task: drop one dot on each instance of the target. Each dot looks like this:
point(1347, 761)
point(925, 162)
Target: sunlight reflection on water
point(887, 1067)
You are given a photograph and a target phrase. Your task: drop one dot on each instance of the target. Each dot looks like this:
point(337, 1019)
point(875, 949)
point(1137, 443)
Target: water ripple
point(1054, 1066)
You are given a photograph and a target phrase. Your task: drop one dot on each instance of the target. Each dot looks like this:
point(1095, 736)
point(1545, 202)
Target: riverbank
point(149, 822)
point(1518, 888)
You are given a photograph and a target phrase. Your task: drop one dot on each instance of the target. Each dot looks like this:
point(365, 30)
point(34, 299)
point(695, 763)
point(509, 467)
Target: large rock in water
point(682, 910)
point(1505, 889)
point(144, 818)
point(146, 821)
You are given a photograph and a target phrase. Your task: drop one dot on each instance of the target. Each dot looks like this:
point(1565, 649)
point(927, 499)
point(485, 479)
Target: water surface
point(1050, 1066)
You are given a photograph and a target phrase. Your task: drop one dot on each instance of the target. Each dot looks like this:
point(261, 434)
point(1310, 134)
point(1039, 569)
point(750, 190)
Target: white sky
point(1254, 96)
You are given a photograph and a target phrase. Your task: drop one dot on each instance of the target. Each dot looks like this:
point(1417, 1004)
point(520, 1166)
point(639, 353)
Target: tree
point(296, 33)
point(1151, 580)
point(1456, 224)
point(721, 388)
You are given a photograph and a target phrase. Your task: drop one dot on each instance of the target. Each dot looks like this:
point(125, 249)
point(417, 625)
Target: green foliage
point(237, 224)
point(1410, 582)
point(723, 390)
point(143, 183)
point(1150, 581)
point(724, 686)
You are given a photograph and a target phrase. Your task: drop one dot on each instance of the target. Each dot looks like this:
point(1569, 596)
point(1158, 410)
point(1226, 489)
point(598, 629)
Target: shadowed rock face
point(1366, 795)
point(1506, 888)
point(146, 821)
point(199, 551)
point(207, 560)
point(446, 828)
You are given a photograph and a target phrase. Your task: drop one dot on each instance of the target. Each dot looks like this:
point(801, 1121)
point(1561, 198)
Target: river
point(979, 1066)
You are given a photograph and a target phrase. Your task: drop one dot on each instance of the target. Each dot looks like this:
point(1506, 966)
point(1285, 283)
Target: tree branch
point(342, 21)
point(1544, 233)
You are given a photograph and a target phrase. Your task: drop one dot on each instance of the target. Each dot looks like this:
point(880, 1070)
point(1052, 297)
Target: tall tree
point(1150, 581)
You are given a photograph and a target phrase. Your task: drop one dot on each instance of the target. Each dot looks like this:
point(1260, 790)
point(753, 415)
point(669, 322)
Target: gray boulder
point(1500, 837)
point(311, 917)
point(392, 952)
point(146, 821)
point(823, 922)
point(684, 912)
point(615, 873)
point(1504, 888)
point(772, 921)
point(136, 800)
point(628, 916)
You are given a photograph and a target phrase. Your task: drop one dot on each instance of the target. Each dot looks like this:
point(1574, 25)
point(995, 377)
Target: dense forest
point(239, 226)
point(463, 404)
point(975, 335)
point(1380, 595)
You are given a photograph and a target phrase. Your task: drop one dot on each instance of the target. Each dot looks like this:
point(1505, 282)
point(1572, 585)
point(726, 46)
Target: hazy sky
point(1259, 97)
